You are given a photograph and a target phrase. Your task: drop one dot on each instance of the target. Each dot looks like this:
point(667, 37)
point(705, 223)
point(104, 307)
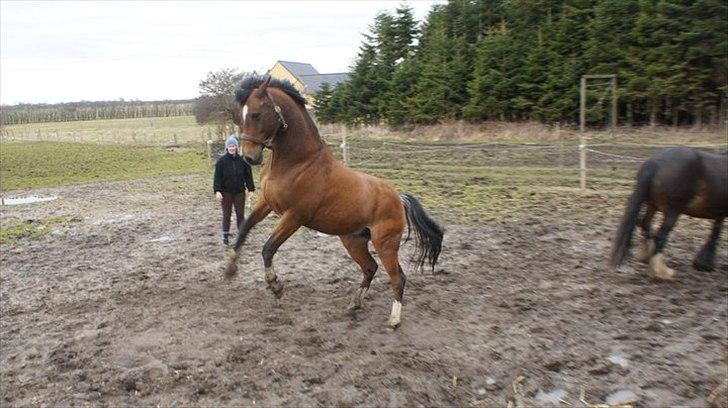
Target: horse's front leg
point(260, 211)
point(285, 228)
point(705, 261)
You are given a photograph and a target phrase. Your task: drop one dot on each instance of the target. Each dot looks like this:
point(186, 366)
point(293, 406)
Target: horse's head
point(261, 121)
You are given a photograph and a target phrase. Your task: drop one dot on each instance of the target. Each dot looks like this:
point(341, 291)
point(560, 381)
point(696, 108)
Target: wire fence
point(595, 159)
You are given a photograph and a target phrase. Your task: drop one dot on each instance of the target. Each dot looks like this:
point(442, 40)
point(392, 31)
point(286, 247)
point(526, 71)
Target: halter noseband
point(282, 126)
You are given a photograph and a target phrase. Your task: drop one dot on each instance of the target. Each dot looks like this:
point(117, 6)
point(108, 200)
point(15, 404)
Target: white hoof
point(396, 316)
point(658, 269)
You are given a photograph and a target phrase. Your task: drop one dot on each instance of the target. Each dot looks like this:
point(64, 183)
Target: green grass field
point(25, 165)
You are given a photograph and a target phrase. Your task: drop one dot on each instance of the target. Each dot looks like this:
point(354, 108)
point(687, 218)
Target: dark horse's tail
point(428, 234)
point(641, 193)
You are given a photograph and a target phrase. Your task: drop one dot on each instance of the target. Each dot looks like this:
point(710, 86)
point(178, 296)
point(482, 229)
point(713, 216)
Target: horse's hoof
point(395, 317)
point(231, 270)
point(351, 312)
point(703, 267)
point(658, 270)
point(353, 307)
point(277, 289)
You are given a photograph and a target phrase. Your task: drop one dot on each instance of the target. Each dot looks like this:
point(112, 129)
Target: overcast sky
point(71, 51)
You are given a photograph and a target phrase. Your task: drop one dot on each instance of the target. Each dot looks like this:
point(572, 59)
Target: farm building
point(305, 77)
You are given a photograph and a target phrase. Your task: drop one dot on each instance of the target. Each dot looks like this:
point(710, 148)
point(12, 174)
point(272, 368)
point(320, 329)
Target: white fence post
point(209, 151)
point(582, 162)
point(344, 150)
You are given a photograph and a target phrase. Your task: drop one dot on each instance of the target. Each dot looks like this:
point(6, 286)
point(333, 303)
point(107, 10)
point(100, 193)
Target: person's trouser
point(230, 200)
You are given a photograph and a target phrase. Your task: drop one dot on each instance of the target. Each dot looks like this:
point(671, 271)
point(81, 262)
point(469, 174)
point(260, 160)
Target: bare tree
point(216, 104)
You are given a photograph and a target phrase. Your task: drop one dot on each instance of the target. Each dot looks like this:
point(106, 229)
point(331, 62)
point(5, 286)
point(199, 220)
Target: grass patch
point(42, 164)
point(31, 229)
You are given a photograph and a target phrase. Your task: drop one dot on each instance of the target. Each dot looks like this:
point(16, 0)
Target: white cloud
point(69, 51)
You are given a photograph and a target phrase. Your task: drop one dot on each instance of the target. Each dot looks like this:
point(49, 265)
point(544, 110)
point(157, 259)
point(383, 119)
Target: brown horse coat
point(307, 186)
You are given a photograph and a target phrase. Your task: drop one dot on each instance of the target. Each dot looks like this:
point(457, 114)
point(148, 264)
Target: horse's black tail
point(428, 234)
point(623, 239)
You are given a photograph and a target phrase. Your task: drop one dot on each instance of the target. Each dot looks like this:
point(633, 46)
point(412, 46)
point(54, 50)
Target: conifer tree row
point(522, 60)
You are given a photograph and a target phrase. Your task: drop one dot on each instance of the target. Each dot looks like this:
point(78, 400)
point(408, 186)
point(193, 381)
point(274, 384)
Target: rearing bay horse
point(307, 186)
point(675, 181)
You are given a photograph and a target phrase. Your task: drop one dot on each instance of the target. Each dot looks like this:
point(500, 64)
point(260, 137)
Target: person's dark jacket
point(233, 175)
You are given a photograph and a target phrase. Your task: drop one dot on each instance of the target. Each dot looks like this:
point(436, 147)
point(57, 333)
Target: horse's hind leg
point(648, 244)
point(705, 260)
point(387, 245)
point(657, 267)
point(357, 246)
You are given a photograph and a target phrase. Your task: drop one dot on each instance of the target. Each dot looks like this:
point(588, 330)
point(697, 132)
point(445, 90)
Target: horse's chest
point(280, 197)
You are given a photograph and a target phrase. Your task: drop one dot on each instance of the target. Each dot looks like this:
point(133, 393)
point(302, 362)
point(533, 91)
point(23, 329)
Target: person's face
point(232, 149)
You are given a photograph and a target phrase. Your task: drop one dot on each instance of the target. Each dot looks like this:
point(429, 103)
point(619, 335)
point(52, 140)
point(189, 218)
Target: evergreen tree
point(322, 104)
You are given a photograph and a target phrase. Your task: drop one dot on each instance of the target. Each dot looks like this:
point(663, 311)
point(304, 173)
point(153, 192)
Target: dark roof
point(299, 68)
point(313, 82)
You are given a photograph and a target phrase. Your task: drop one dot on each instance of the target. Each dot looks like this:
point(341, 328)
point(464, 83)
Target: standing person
point(232, 176)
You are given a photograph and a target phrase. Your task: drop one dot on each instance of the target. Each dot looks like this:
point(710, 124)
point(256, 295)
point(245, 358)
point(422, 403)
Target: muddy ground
point(125, 305)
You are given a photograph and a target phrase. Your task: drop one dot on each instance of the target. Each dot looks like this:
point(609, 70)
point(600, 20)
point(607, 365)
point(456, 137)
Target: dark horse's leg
point(357, 246)
point(705, 261)
point(657, 267)
point(285, 228)
point(260, 211)
point(648, 245)
point(386, 241)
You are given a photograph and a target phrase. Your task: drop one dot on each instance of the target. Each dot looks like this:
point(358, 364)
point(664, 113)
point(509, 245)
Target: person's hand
point(218, 195)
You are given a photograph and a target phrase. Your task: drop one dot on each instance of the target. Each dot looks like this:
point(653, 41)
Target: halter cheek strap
point(282, 127)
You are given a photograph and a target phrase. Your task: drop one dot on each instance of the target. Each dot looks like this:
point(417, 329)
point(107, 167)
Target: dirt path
point(127, 306)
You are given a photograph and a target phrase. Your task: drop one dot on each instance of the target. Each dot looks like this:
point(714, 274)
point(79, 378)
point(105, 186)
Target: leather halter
point(282, 126)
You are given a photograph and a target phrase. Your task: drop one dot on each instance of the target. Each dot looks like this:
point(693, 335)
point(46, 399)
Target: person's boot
point(226, 239)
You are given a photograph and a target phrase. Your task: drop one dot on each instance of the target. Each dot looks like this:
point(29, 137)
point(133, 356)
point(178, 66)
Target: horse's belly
point(335, 228)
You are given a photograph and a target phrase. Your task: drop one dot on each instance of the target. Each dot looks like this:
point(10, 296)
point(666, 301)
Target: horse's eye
point(255, 115)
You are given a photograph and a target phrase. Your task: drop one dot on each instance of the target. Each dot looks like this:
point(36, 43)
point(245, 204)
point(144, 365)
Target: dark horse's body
point(675, 181)
point(307, 186)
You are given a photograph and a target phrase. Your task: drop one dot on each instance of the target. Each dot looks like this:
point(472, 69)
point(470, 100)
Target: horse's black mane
point(252, 81)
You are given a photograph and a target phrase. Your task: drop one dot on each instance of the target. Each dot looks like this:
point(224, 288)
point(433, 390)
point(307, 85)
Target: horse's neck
point(301, 142)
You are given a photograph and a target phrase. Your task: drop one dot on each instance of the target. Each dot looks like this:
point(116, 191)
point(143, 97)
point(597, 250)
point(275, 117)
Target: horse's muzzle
point(252, 161)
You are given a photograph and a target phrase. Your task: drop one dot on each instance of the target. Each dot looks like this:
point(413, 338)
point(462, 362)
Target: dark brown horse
point(675, 181)
point(305, 184)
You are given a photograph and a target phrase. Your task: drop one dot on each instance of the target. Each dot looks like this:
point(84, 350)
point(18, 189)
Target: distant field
point(25, 165)
point(139, 131)
point(502, 172)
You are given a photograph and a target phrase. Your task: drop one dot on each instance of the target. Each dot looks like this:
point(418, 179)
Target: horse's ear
point(264, 86)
